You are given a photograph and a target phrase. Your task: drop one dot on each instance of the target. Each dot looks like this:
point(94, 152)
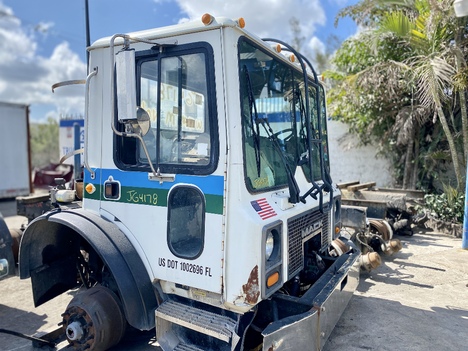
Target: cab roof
point(174, 30)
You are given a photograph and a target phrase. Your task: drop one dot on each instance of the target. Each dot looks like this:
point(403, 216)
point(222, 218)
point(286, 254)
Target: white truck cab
point(208, 210)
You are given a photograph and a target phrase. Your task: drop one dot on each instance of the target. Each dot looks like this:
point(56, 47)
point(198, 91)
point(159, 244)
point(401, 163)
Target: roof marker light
point(240, 22)
point(292, 58)
point(277, 48)
point(207, 19)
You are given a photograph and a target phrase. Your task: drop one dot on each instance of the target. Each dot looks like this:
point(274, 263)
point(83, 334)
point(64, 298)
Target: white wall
point(350, 162)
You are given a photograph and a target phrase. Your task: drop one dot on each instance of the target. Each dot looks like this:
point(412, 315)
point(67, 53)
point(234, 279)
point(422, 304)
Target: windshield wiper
point(294, 191)
point(255, 130)
point(305, 156)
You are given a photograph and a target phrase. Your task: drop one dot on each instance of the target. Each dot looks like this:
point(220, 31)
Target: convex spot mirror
point(143, 123)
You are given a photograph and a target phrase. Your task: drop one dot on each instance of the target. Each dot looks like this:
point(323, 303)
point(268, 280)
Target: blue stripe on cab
point(212, 184)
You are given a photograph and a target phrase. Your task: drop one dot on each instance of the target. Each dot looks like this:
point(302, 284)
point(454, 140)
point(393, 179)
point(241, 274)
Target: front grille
point(301, 229)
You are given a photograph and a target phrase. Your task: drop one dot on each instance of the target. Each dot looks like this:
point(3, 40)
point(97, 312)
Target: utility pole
point(88, 43)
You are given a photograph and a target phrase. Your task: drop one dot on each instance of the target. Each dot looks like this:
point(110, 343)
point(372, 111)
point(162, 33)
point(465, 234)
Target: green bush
point(448, 206)
point(44, 143)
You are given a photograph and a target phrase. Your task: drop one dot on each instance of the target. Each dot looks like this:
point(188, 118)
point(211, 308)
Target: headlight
point(269, 246)
point(272, 268)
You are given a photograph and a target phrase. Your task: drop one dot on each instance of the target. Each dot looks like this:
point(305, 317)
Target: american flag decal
point(263, 208)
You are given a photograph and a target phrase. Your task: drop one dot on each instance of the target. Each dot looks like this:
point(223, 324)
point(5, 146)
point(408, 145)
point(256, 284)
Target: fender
point(48, 255)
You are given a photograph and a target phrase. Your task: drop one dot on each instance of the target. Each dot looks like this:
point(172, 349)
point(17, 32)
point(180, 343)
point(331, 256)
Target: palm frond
point(434, 77)
point(407, 120)
point(437, 156)
point(399, 3)
point(397, 23)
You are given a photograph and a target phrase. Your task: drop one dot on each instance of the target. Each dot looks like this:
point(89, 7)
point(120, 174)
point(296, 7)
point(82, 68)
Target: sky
point(43, 42)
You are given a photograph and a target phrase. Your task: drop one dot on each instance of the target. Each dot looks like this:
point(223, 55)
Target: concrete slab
point(417, 300)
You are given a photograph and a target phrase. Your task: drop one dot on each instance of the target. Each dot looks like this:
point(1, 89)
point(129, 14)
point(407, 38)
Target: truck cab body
point(208, 211)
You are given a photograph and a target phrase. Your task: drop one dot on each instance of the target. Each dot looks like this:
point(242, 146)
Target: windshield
point(273, 95)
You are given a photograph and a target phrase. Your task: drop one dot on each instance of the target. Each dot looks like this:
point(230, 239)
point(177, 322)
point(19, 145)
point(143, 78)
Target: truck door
point(175, 215)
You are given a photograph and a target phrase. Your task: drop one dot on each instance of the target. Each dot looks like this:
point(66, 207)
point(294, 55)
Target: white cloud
point(265, 18)
point(316, 45)
point(26, 77)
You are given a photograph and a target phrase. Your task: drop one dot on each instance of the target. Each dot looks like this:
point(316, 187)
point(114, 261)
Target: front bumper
point(324, 304)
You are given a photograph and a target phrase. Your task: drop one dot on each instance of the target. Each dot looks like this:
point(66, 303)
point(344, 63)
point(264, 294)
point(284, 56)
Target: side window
point(186, 222)
point(315, 133)
point(323, 117)
point(177, 89)
point(183, 124)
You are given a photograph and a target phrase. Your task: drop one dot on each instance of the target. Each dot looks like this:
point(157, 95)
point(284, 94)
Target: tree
point(411, 46)
point(44, 143)
point(320, 60)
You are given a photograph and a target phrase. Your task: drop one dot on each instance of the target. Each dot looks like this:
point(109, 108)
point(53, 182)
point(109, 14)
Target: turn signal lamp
point(90, 188)
point(240, 22)
point(207, 19)
point(272, 279)
point(337, 230)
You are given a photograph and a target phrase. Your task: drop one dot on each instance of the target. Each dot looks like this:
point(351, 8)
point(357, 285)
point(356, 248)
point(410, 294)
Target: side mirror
point(125, 85)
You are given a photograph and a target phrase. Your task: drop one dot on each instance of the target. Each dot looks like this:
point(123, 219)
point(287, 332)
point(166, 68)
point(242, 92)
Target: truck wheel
point(94, 320)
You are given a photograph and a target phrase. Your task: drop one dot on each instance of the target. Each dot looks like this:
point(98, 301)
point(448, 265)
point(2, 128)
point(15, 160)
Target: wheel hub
point(94, 320)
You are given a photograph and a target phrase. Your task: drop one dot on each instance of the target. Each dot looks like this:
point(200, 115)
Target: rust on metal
point(379, 226)
point(252, 288)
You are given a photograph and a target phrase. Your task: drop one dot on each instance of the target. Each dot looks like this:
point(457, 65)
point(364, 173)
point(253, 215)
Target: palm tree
point(421, 23)
point(425, 28)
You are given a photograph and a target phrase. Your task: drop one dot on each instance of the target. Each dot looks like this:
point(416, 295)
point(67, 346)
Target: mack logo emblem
point(310, 229)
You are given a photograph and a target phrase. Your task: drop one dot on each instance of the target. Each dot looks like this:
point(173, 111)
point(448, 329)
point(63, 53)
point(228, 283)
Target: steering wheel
point(284, 131)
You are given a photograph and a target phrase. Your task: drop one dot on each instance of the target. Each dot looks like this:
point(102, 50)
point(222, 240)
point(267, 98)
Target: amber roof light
point(241, 22)
point(207, 19)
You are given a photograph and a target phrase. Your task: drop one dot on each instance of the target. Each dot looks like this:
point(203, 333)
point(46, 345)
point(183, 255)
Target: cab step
point(187, 347)
point(204, 322)
point(183, 327)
